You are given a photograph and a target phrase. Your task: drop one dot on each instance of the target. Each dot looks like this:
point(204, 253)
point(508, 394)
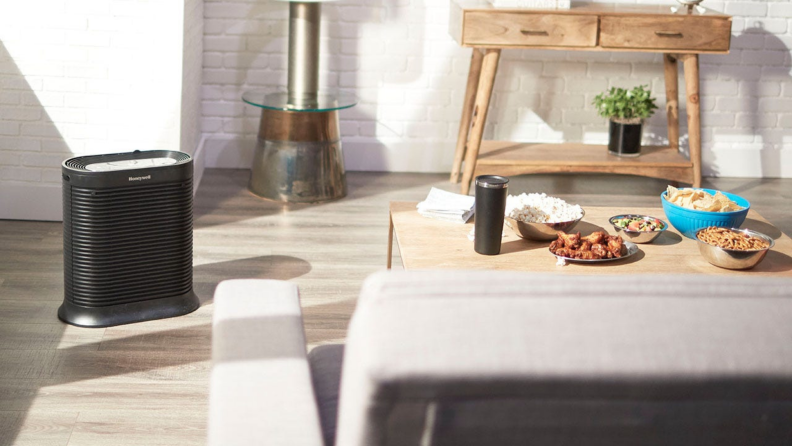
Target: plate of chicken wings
point(595, 247)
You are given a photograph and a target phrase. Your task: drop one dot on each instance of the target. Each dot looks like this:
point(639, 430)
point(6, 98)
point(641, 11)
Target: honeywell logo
point(147, 177)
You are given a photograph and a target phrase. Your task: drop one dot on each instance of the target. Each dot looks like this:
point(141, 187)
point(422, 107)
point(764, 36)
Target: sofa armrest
point(260, 386)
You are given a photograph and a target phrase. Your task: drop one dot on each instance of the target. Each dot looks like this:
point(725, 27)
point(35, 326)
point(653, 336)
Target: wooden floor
point(146, 383)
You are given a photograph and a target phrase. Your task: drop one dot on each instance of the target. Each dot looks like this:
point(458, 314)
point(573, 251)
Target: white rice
point(539, 208)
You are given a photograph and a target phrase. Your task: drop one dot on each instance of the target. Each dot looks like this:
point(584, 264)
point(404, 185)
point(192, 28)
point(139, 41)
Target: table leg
point(672, 99)
point(467, 111)
point(691, 67)
point(479, 119)
point(390, 241)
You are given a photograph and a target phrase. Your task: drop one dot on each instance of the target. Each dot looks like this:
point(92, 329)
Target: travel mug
point(491, 193)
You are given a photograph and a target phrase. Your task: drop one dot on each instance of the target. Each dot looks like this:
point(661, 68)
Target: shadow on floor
point(277, 267)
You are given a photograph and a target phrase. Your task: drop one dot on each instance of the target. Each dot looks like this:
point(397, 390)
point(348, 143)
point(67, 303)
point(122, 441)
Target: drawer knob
point(533, 32)
point(676, 35)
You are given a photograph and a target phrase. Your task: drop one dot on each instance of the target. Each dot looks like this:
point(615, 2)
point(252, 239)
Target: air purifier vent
point(113, 235)
point(127, 237)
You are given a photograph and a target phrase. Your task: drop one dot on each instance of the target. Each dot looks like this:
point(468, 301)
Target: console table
point(680, 36)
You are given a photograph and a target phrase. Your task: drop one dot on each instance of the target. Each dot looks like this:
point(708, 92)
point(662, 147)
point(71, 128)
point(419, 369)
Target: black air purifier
point(127, 238)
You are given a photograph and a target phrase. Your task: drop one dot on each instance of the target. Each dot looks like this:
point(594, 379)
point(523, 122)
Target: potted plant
point(626, 110)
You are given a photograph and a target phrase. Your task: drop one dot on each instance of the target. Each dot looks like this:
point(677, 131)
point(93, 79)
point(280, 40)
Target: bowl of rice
point(539, 217)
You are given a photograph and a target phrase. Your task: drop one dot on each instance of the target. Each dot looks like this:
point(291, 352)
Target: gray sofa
point(501, 358)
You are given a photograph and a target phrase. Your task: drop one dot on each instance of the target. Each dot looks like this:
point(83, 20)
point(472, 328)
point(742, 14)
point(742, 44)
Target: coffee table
point(425, 243)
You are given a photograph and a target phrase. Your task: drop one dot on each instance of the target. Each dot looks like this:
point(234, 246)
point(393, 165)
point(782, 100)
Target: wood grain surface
point(584, 27)
point(431, 244)
point(529, 29)
point(489, 67)
point(672, 33)
point(471, 90)
point(510, 158)
point(146, 383)
point(611, 9)
point(691, 69)
point(671, 73)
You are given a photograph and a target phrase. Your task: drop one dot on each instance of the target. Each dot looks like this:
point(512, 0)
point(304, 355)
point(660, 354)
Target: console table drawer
point(521, 29)
point(666, 33)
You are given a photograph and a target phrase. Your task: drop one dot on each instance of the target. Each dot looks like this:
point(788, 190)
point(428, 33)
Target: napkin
point(447, 206)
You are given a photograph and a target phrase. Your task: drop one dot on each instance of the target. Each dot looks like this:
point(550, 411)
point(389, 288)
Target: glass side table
point(298, 155)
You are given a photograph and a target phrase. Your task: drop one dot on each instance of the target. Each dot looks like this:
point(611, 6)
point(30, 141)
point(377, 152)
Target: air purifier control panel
point(130, 164)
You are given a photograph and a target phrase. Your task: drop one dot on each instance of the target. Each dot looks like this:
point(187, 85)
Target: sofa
point(506, 358)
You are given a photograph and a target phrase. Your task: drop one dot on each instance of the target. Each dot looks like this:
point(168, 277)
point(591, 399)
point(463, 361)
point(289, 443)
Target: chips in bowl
point(701, 200)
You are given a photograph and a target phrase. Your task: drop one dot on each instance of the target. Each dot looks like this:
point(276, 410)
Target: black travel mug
point(491, 193)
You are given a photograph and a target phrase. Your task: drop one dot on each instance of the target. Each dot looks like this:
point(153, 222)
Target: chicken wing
point(599, 251)
point(615, 246)
point(570, 240)
point(564, 252)
point(584, 255)
point(595, 237)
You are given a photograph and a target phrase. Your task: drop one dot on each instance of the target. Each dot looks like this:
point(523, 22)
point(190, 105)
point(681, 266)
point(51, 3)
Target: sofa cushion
point(458, 345)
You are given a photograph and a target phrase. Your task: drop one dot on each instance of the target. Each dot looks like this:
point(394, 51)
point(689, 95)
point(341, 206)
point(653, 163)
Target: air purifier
point(127, 238)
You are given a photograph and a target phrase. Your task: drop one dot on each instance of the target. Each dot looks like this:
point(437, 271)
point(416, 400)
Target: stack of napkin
point(537, 4)
point(447, 206)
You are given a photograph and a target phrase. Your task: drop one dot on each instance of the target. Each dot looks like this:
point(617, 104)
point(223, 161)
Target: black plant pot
point(625, 139)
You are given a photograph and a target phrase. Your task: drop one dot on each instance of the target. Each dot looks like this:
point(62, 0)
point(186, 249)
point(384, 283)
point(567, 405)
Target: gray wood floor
point(146, 383)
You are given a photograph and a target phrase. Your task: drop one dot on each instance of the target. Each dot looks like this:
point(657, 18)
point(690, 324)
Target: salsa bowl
point(638, 236)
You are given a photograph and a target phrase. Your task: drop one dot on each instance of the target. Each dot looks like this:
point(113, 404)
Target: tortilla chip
point(700, 200)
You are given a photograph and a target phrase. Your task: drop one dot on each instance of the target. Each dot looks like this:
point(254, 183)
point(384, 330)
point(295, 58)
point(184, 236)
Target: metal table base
point(298, 157)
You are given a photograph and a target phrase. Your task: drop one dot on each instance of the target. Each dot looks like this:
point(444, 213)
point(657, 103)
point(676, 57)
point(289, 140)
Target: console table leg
point(467, 111)
point(691, 67)
point(672, 99)
point(390, 241)
point(479, 119)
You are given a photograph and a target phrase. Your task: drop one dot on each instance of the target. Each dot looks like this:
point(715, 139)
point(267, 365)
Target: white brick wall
point(192, 54)
point(410, 77)
point(82, 77)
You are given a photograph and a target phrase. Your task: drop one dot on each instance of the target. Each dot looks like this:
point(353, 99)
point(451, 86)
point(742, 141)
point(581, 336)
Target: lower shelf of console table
point(514, 158)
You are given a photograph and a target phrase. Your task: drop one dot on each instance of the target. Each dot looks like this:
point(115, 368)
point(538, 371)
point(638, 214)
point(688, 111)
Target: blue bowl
point(689, 221)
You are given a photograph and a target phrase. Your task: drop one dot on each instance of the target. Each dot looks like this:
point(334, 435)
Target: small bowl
point(689, 221)
point(733, 258)
point(637, 236)
point(541, 231)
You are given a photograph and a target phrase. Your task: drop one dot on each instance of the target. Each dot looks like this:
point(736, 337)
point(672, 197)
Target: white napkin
point(448, 206)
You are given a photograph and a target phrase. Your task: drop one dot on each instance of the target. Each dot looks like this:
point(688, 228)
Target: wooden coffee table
point(425, 243)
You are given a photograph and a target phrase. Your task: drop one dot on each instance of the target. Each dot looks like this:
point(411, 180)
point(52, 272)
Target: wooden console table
point(680, 36)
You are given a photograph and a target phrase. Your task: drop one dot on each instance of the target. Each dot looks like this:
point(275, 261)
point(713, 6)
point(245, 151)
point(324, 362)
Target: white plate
point(631, 247)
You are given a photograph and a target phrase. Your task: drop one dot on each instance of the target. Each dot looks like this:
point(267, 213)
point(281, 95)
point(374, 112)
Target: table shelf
point(515, 158)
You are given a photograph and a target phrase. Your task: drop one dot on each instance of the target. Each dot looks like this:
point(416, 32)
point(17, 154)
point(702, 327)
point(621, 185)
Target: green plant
point(623, 105)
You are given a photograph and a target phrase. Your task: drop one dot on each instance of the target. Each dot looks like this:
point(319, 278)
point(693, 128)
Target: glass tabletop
point(324, 101)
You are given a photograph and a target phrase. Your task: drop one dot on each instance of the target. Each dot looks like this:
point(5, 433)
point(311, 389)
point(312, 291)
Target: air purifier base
point(147, 310)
